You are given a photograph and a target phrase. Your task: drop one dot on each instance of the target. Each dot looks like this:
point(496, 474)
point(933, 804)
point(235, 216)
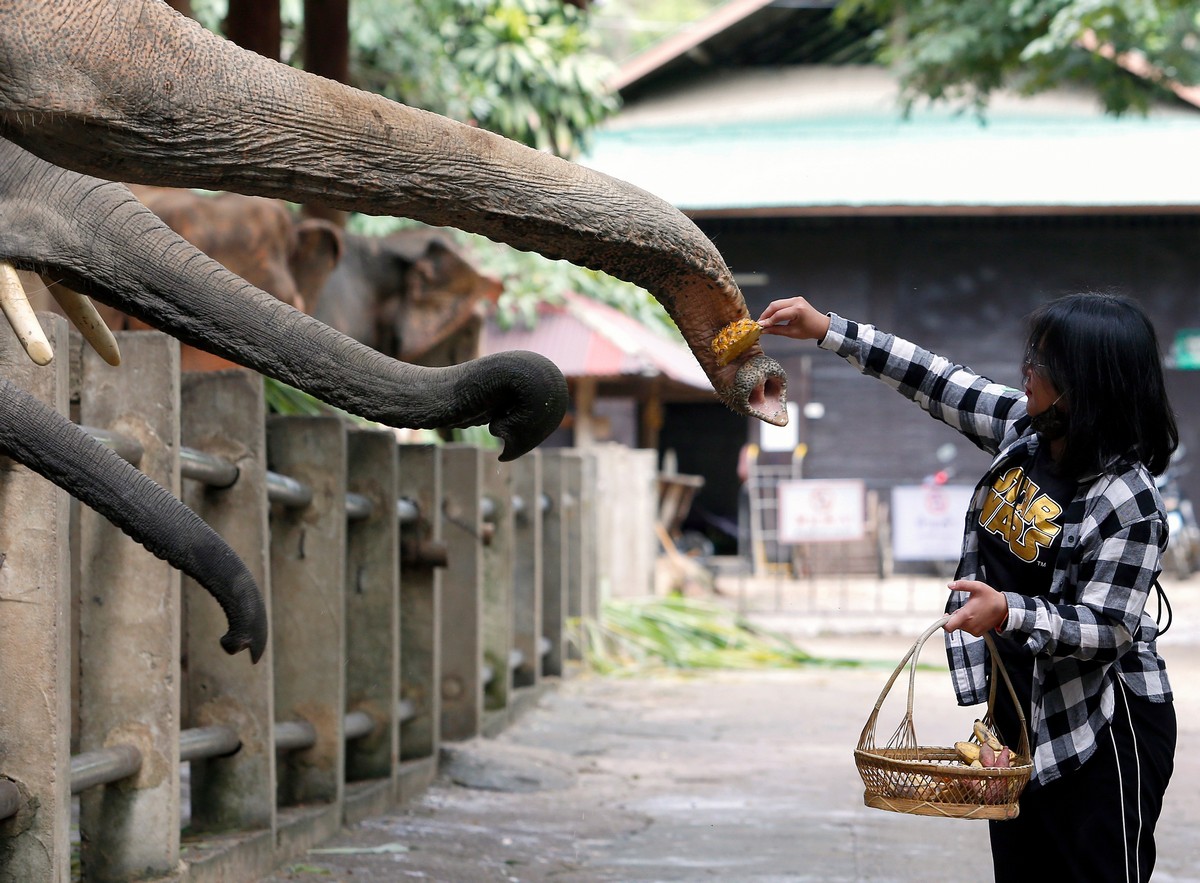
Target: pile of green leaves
point(639, 635)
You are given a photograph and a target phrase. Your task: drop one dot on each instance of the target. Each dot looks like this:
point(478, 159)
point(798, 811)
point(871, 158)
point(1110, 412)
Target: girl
point(1063, 543)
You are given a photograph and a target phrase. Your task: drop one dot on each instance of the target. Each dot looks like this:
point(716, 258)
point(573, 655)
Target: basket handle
point(1023, 742)
point(914, 651)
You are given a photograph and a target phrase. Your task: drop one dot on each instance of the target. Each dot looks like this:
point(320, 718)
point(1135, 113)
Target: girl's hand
point(794, 317)
point(985, 610)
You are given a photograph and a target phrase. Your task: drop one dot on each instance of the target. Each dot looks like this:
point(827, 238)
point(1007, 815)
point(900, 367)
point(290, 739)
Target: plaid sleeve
point(975, 406)
point(1103, 616)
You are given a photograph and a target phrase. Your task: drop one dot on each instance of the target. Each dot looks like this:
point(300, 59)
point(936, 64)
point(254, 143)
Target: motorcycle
point(1183, 541)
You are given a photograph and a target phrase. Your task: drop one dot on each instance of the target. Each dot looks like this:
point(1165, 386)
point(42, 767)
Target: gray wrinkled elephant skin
point(129, 90)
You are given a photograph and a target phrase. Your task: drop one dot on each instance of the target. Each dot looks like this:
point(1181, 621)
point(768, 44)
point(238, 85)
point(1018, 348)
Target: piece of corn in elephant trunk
point(734, 339)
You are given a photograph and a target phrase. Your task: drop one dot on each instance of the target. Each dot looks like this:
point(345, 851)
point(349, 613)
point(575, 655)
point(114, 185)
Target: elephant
point(94, 92)
point(411, 294)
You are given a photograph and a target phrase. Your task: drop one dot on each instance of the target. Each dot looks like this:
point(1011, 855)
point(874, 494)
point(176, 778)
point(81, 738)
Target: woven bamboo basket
point(903, 776)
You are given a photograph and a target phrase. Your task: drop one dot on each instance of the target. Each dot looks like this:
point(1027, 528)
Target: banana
point(983, 734)
point(967, 751)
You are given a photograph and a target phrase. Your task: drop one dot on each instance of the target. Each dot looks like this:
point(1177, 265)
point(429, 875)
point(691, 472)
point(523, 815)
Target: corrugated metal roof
point(586, 338)
point(813, 138)
point(751, 33)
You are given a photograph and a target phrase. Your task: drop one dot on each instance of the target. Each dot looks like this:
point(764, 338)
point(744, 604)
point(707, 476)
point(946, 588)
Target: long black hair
point(1101, 352)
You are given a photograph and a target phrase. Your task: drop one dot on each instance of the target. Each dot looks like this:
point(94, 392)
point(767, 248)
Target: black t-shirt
point(1020, 532)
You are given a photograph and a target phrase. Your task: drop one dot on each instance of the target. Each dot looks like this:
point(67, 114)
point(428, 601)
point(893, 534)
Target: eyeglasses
point(1033, 360)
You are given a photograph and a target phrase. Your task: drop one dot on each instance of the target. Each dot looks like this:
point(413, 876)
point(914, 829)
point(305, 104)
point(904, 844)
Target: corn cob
point(734, 339)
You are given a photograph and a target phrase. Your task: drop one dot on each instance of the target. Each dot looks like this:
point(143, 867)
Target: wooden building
point(769, 126)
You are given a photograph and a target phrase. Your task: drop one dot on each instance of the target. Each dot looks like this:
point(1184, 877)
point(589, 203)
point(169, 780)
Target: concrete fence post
point(528, 561)
point(421, 569)
point(554, 563)
point(589, 594)
point(224, 415)
point(576, 544)
point(603, 503)
point(373, 607)
point(129, 624)
point(462, 595)
point(498, 588)
point(308, 565)
point(35, 712)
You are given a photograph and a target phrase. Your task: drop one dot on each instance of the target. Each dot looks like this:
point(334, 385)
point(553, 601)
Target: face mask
point(1051, 424)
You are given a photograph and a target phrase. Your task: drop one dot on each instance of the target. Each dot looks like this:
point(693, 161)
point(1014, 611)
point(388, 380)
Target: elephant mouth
point(755, 385)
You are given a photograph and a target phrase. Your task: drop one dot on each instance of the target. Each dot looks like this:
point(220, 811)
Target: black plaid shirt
point(1092, 626)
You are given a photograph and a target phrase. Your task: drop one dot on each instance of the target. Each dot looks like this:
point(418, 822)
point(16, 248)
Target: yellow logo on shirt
point(1016, 511)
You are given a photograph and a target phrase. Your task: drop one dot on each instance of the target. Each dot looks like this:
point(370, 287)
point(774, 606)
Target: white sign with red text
point(821, 510)
point(927, 521)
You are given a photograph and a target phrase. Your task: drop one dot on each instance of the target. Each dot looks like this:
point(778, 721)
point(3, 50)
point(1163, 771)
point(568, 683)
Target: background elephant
point(412, 295)
point(130, 90)
point(261, 240)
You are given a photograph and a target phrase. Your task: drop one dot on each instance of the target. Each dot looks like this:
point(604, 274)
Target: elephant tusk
point(21, 317)
point(80, 310)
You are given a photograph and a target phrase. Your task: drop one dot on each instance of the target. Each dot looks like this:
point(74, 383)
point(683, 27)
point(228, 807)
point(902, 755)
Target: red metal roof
point(586, 338)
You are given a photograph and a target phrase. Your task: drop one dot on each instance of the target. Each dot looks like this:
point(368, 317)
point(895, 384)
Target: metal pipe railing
point(287, 491)
point(406, 710)
point(201, 743)
point(357, 724)
point(294, 735)
point(407, 511)
point(358, 507)
point(107, 765)
point(208, 469)
point(125, 447)
point(10, 799)
point(218, 473)
point(103, 766)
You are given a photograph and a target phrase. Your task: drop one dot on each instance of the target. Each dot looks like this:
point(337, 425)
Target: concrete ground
point(731, 776)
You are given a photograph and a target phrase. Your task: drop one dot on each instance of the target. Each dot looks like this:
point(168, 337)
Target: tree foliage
point(962, 51)
point(526, 69)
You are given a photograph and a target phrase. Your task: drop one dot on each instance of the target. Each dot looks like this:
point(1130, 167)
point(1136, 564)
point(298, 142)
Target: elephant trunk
point(186, 108)
point(100, 240)
point(40, 438)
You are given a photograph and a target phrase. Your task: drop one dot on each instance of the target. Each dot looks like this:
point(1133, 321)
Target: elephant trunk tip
point(539, 402)
point(247, 618)
point(759, 389)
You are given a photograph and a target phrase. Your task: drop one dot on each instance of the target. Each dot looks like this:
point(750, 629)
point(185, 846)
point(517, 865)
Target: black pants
point(1096, 823)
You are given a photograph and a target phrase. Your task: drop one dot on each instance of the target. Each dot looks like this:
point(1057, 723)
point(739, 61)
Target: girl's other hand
point(985, 610)
point(794, 317)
